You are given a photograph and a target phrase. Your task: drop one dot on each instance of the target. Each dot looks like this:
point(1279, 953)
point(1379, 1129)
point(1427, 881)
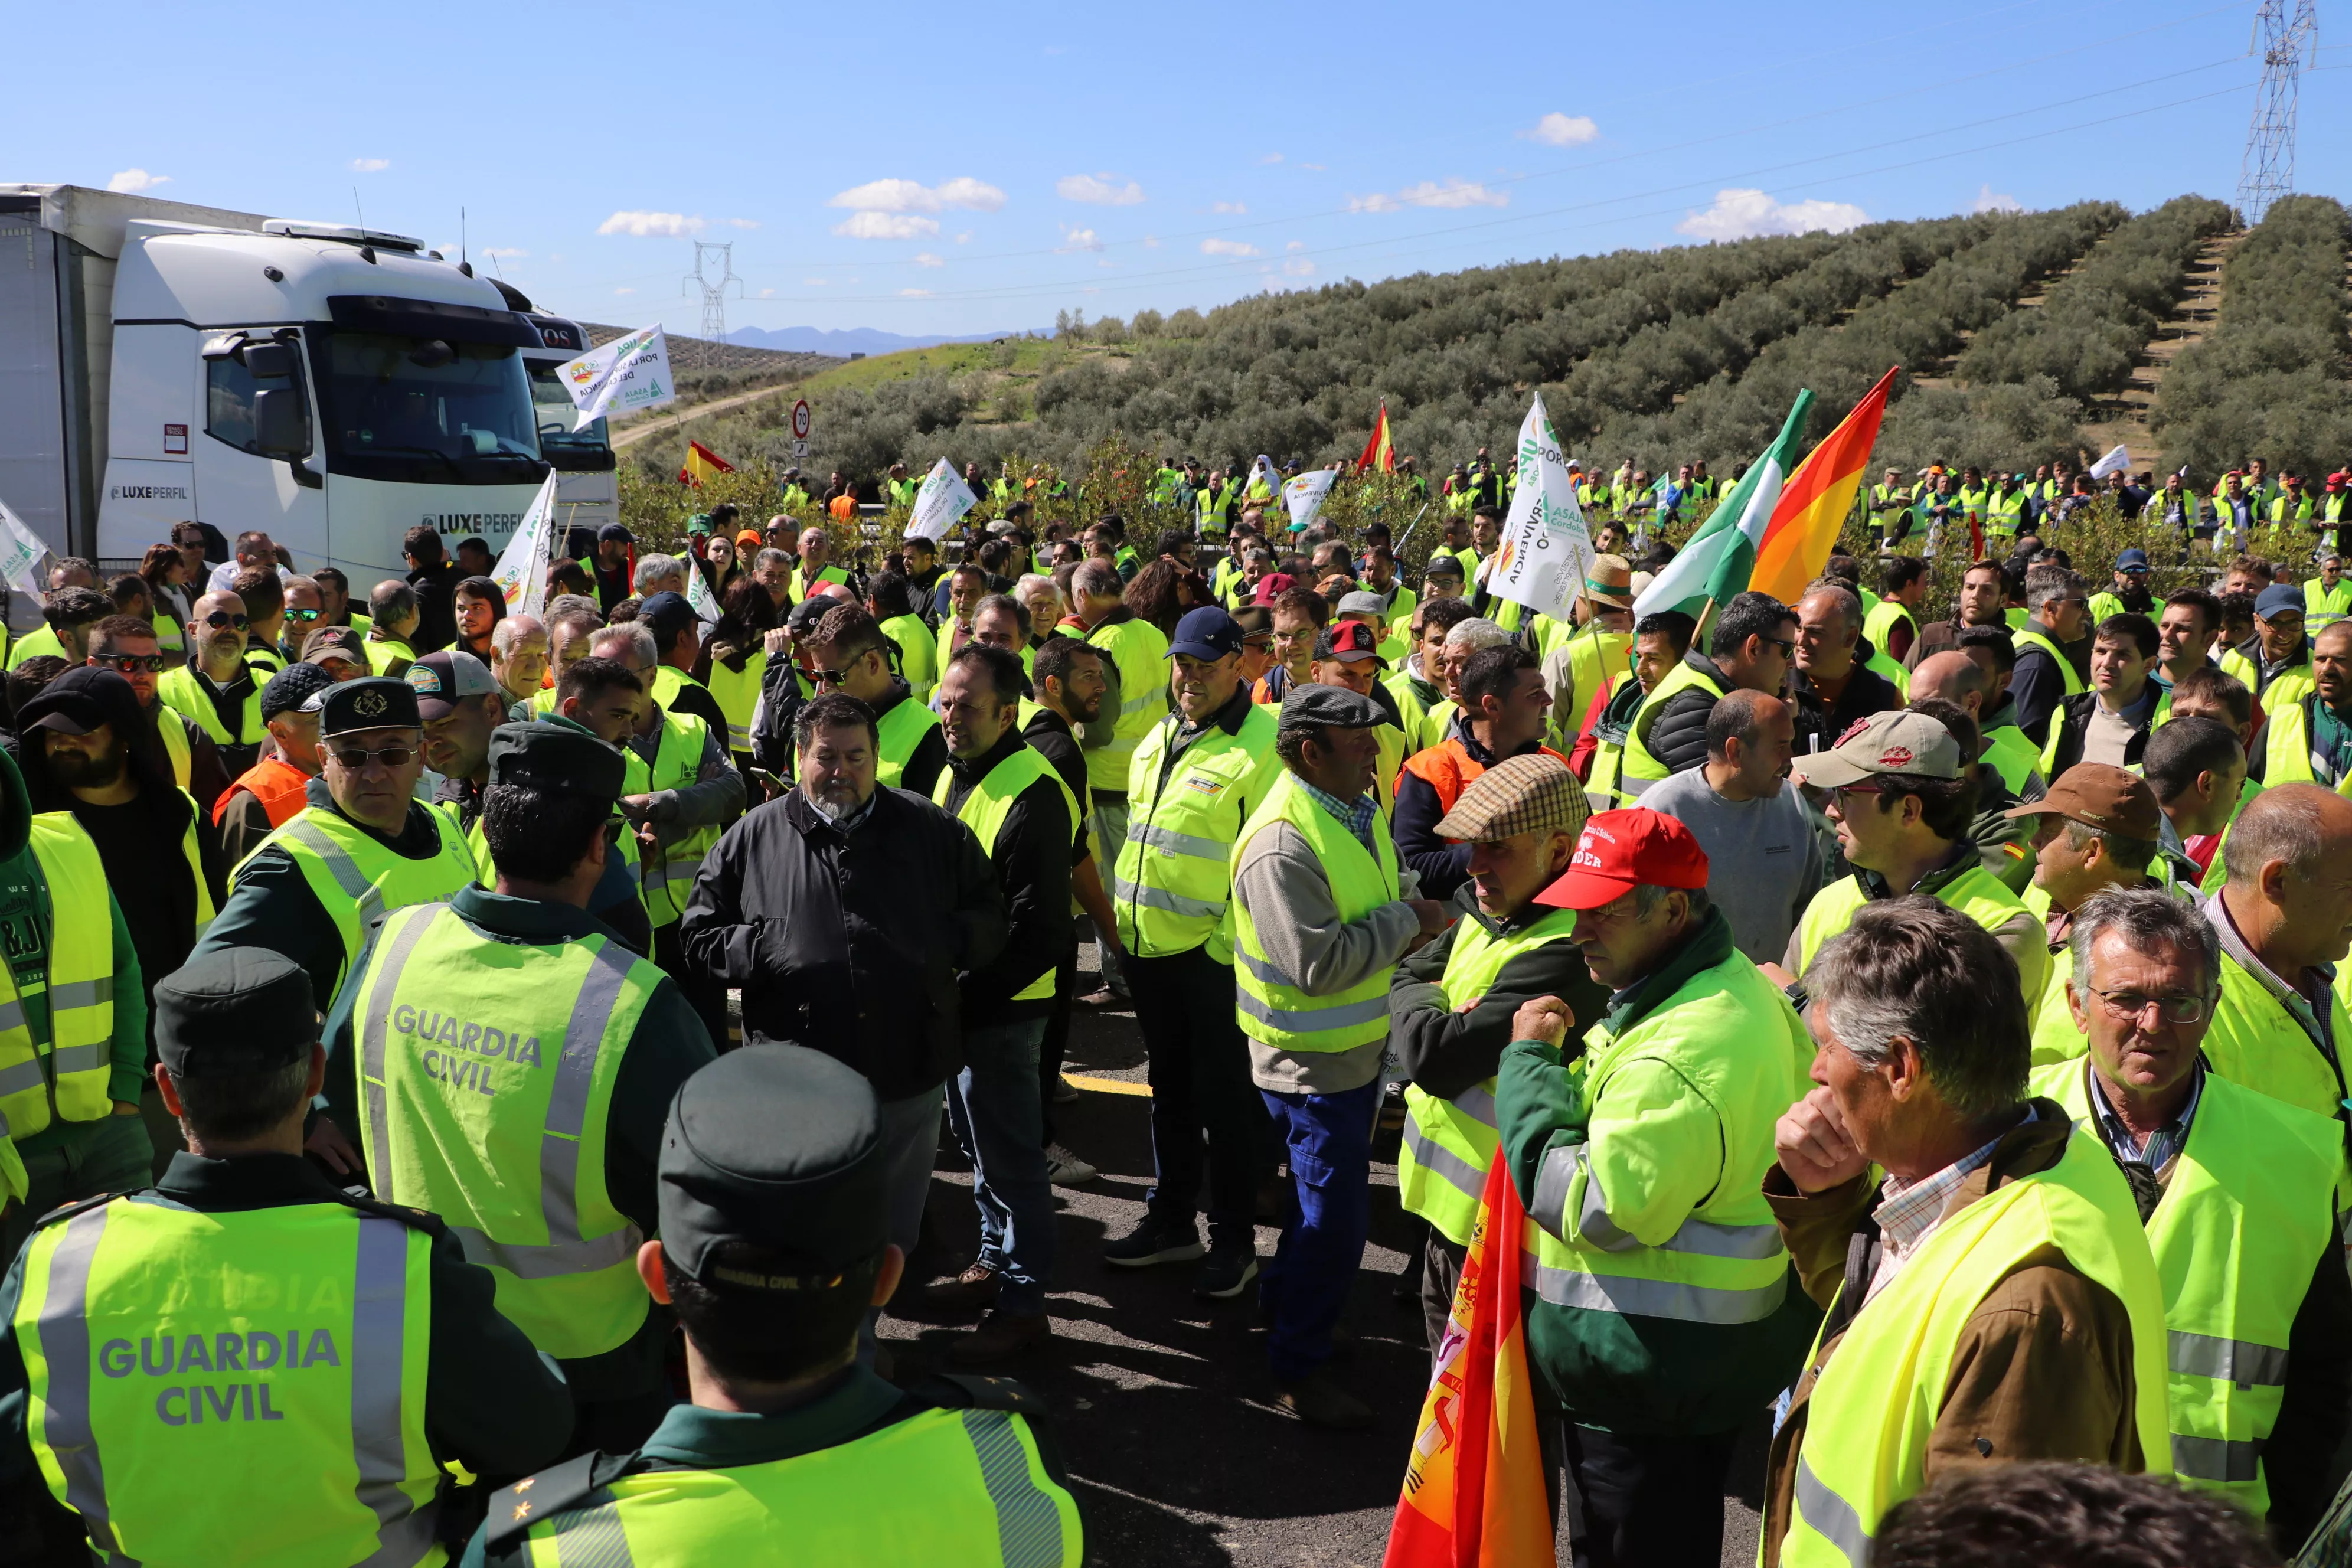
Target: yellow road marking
point(1107, 1084)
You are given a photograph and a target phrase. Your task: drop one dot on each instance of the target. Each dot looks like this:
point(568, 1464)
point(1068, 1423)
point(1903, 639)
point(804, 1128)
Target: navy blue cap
point(1206, 633)
point(2130, 558)
point(666, 615)
point(2278, 596)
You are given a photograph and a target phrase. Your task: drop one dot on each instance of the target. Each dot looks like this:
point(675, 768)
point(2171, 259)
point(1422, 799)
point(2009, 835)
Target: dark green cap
point(560, 755)
point(233, 1010)
point(779, 1146)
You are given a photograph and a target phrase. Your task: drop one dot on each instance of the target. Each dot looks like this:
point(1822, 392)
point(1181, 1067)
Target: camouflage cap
point(1536, 792)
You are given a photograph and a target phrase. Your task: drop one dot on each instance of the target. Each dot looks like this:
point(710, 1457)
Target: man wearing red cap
point(1663, 1316)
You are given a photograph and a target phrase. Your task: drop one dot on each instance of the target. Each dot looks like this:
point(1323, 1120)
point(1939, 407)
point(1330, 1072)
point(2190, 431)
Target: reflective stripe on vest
point(1872, 1412)
point(1450, 1143)
point(80, 977)
point(358, 881)
point(1639, 768)
point(1173, 882)
point(1271, 1006)
point(288, 1382)
point(491, 1047)
point(986, 806)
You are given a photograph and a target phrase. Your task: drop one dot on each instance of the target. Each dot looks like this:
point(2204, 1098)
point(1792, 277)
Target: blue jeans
point(1306, 1284)
point(909, 1131)
point(993, 1107)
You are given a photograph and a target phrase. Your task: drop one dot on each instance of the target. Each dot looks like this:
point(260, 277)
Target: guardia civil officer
point(244, 1363)
point(513, 1056)
point(774, 1225)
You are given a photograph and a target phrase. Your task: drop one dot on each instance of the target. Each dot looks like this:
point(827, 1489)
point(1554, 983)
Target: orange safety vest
point(843, 507)
point(1448, 768)
point(276, 782)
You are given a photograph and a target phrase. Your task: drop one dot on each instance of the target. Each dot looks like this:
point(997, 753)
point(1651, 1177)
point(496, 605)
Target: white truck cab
point(329, 385)
point(588, 491)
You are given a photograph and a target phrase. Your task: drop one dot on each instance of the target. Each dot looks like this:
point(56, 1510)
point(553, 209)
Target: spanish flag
point(701, 462)
point(1812, 506)
point(1473, 1487)
point(1378, 454)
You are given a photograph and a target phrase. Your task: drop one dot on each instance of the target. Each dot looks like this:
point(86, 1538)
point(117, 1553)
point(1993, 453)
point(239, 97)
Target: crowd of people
point(512, 1050)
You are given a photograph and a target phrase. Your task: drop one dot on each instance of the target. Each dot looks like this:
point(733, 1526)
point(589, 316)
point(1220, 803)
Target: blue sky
point(934, 168)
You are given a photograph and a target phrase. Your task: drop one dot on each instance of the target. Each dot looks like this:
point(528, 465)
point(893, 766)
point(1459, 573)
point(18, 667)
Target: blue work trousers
point(1329, 1146)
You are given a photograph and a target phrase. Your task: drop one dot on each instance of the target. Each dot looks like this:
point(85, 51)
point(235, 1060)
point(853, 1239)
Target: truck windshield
point(425, 411)
point(572, 451)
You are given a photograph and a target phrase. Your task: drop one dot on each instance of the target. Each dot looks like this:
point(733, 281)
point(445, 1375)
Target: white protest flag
point(1545, 553)
point(2115, 462)
point(940, 504)
point(625, 376)
point(22, 554)
point(1304, 496)
point(521, 571)
point(698, 596)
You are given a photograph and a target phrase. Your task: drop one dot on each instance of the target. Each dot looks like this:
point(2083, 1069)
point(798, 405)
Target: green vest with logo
point(241, 1387)
point(1872, 1415)
point(1172, 885)
point(1270, 1006)
point(357, 880)
point(986, 806)
point(79, 981)
point(1450, 1143)
point(486, 1073)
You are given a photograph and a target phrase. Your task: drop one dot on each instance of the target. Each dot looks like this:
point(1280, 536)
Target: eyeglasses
point(353, 759)
point(1787, 646)
point(1837, 797)
point(129, 663)
point(2131, 1006)
point(220, 619)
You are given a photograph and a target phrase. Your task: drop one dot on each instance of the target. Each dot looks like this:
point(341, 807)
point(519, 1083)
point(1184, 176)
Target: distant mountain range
point(848, 341)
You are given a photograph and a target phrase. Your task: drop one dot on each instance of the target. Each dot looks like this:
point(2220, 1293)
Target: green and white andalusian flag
point(1716, 559)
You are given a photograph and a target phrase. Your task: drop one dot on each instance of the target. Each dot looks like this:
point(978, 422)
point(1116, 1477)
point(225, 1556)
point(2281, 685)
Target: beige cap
point(1532, 794)
point(1896, 741)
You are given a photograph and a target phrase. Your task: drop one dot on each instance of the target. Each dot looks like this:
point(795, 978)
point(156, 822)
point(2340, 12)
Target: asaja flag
point(941, 503)
point(698, 596)
point(1474, 1488)
point(2115, 462)
point(1304, 494)
point(701, 462)
point(23, 566)
point(1378, 453)
point(1803, 531)
point(1715, 564)
point(627, 375)
point(521, 571)
point(1545, 554)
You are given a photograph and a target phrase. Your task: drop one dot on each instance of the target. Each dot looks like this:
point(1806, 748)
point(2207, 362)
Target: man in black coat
point(1754, 637)
point(1836, 687)
point(846, 913)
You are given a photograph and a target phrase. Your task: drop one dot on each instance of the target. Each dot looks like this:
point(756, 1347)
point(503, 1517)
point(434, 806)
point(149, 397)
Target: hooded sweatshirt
point(26, 925)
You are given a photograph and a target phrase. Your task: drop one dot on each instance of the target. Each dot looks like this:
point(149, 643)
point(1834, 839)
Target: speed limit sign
point(801, 420)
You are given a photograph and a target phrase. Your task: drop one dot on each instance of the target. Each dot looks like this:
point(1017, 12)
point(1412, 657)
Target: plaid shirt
point(1356, 816)
point(1909, 1212)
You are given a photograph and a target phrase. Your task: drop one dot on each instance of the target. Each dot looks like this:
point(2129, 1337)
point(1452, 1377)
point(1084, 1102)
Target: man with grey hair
point(1991, 1297)
point(816, 553)
point(393, 615)
point(1835, 686)
point(773, 570)
point(519, 645)
point(1042, 601)
point(2058, 609)
point(1466, 637)
point(2238, 1194)
point(658, 573)
point(1764, 859)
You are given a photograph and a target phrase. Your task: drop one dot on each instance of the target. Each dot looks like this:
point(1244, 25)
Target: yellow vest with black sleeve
point(737, 693)
point(2246, 1215)
point(80, 1060)
point(1450, 1143)
point(1172, 885)
point(667, 883)
point(357, 880)
point(383, 653)
point(1871, 1414)
point(1270, 1006)
point(1140, 652)
point(2025, 639)
point(486, 1071)
point(244, 1386)
point(986, 806)
point(920, 650)
point(899, 732)
point(1975, 893)
point(1731, 1042)
point(175, 736)
point(183, 690)
point(944, 1487)
point(1638, 768)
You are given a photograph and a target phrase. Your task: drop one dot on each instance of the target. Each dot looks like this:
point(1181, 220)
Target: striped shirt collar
point(2165, 1142)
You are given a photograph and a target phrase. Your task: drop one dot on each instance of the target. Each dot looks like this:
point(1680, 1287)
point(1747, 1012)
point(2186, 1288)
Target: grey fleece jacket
point(1288, 896)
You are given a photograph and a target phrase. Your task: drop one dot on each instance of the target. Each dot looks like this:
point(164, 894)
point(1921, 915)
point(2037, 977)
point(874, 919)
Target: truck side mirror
point(268, 362)
point(281, 426)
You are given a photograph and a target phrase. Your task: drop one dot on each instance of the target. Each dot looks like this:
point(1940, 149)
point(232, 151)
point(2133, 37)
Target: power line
point(2285, 43)
point(714, 289)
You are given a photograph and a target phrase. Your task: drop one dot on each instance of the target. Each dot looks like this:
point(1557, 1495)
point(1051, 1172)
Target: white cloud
point(1151, 242)
point(1075, 239)
point(742, 223)
point(1557, 130)
point(814, 282)
point(1296, 244)
point(1453, 193)
point(1226, 248)
point(887, 225)
point(926, 258)
point(1097, 190)
point(1271, 158)
point(910, 197)
point(1314, 168)
point(1375, 203)
point(1746, 214)
point(1300, 267)
point(649, 225)
point(370, 165)
point(1236, 208)
point(964, 238)
point(914, 293)
point(507, 251)
point(625, 291)
point(130, 182)
point(1991, 201)
point(766, 294)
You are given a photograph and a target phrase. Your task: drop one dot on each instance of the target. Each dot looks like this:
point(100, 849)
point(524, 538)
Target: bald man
point(1764, 860)
point(1964, 680)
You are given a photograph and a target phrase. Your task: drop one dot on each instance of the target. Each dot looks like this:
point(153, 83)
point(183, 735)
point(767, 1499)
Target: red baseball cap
point(1621, 850)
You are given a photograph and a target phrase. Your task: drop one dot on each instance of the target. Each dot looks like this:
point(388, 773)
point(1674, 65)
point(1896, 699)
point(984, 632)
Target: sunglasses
point(353, 759)
point(304, 614)
point(1787, 646)
point(220, 619)
point(129, 663)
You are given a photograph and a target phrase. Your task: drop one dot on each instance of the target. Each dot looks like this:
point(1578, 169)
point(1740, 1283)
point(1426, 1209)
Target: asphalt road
point(1162, 1399)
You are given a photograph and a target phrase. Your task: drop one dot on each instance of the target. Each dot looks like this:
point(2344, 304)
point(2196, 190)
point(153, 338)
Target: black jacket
point(1678, 734)
point(784, 691)
point(2037, 687)
point(1444, 1051)
point(1443, 866)
point(1032, 859)
point(436, 608)
point(1865, 692)
point(850, 942)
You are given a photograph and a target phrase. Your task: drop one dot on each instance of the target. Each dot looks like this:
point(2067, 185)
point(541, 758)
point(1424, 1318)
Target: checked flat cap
point(1531, 794)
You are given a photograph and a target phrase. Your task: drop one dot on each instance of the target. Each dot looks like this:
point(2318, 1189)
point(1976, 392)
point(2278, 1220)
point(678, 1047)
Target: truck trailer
point(332, 385)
